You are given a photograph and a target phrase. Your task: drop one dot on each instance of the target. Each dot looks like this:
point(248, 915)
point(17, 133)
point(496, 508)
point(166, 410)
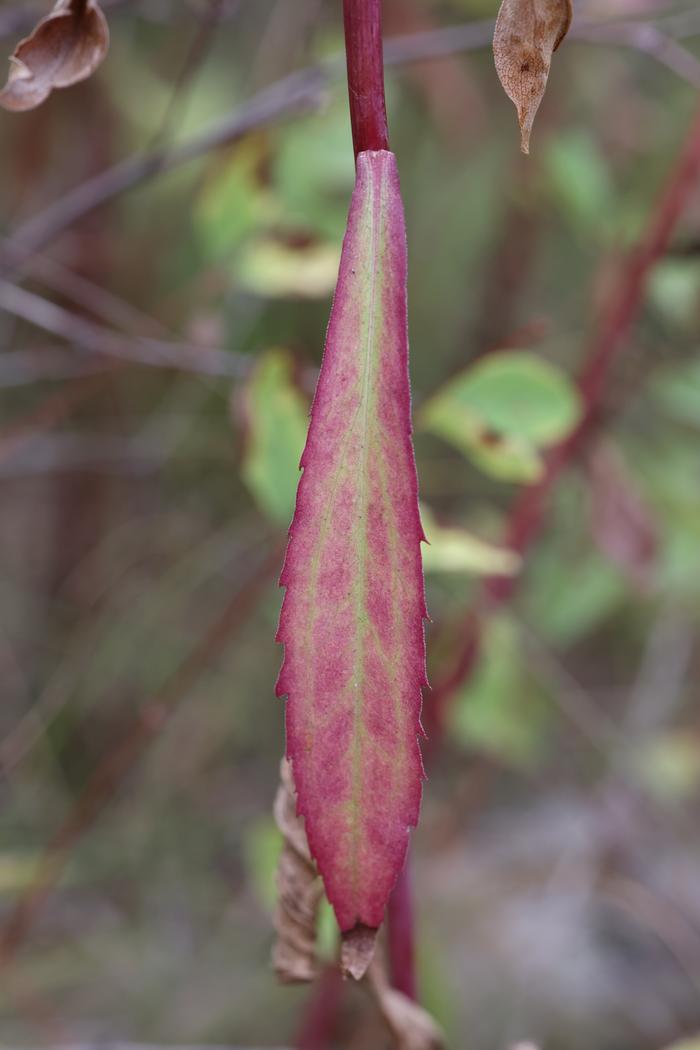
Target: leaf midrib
point(366, 400)
point(368, 386)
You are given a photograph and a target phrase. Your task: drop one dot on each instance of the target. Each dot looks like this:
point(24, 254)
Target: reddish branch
point(365, 62)
point(365, 69)
point(613, 330)
point(401, 935)
point(320, 1022)
point(365, 65)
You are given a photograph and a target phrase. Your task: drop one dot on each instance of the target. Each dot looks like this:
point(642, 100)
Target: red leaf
point(352, 617)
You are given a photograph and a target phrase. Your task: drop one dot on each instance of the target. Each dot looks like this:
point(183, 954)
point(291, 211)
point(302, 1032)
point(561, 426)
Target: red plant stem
point(365, 67)
point(365, 61)
point(320, 1021)
point(401, 934)
point(612, 333)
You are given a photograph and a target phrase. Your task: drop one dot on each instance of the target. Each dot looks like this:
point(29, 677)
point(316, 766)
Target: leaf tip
point(357, 951)
point(526, 119)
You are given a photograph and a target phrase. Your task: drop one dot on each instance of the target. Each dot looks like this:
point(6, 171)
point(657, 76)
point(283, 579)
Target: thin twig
point(20, 18)
point(194, 60)
point(293, 94)
point(86, 452)
point(365, 67)
point(121, 759)
point(650, 39)
point(94, 338)
point(92, 298)
point(47, 413)
point(26, 367)
point(301, 91)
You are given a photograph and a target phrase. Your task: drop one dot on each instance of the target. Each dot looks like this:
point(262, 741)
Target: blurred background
point(160, 333)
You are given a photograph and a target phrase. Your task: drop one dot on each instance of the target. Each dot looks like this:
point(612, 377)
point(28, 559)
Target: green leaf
point(456, 550)
point(314, 171)
point(580, 181)
point(16, 871)
point(673, 289)
point(677, 389)
point(668, 764)
point(280, 237)
point(503, 411)
point(493, 713)
point(326, 932)
point(276, 417)
point(276, 269)
point(569, 594)
point(234, 202)
point(262, 846)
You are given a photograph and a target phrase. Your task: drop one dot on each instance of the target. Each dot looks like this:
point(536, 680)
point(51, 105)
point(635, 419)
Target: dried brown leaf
point(411, 1026)
point(299, 891)
point(65, 47)
point(527, 34)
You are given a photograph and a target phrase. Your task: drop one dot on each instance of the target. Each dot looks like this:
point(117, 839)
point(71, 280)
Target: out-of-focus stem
point(365, 62)
point(320, 1020)
point(365, 69)
point(401, 935)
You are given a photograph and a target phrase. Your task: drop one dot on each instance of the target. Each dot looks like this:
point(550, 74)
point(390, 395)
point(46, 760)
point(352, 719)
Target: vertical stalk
point(365, 68)
point(401, 935)
point(365, 62)
point(319, 1023)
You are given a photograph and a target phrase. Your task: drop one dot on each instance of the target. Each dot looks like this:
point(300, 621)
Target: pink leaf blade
point(352, 617)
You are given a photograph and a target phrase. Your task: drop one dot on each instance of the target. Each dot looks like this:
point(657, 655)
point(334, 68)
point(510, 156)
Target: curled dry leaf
point(65, 47)
point(411, 1026)
point(527, 34)
point(299, 891)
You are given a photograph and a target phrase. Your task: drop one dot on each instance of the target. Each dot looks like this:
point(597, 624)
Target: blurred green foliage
point(556, 864)
point(502, 411)
point(276, 418)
